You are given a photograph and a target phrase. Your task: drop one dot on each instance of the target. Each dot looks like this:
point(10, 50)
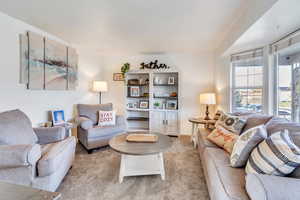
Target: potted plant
point(156, 105)
point(125, 68)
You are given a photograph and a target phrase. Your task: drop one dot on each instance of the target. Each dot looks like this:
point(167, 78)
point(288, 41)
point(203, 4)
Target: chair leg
point(90, 151)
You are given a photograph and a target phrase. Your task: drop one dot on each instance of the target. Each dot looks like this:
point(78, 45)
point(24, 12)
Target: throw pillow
point(276, 155)
point(254, 120)
point(107, 118)
point(246, 142)
point(223, 138)
point(232, 123)
point(218, 115)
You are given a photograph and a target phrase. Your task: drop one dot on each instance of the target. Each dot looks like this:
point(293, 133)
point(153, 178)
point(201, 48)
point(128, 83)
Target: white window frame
point(233, 88)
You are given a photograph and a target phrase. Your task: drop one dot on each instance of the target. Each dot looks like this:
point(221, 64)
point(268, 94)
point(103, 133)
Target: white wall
point(196, 74)
point(36, 103)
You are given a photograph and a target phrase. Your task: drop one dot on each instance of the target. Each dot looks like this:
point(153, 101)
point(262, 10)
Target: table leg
point(122, 168)
point(162, 167)
point(195, 136)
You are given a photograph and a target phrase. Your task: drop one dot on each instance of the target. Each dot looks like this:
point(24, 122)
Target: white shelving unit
point(154, 86)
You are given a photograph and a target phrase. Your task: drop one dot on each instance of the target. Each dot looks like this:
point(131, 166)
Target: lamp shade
point(99, 86)
point(208, 98)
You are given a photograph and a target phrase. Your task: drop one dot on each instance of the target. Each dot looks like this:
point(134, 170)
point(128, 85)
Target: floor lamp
point(100, 86)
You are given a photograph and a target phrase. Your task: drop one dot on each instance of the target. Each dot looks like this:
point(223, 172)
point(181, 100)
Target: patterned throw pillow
point(245, 144)
point(276, 155)
point(232, 123)
point(107, 118)
point(223, 138)
point(218, 115)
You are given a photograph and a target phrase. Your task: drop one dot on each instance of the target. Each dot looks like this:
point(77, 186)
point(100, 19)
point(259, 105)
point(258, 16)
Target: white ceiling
point(281, 19)
point(140, 26)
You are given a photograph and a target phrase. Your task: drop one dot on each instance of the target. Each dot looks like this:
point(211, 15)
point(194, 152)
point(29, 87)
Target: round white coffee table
point(139, 159)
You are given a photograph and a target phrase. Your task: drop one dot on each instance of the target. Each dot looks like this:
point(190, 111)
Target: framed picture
point(144, 104)
point(171, 105)
point(134, 91)
point(58, 117)
point(130, 105)
point(171, 80)
point(118, 77)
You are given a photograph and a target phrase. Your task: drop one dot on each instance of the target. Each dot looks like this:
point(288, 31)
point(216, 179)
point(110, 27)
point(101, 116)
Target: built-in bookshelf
point(152, 101)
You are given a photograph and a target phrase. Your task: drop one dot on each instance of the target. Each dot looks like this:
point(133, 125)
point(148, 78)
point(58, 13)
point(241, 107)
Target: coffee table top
point(119, 144)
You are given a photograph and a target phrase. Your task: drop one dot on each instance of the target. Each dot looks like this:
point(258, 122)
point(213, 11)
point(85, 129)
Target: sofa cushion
point(276, 155)
point(91, 111)
point(16, 128)
point(261, 187)
point(224, 181)
point(53, 156)
point(99, 131)
point(232, 123)
point(245, 144)
point(223, 138)
point(254, 120)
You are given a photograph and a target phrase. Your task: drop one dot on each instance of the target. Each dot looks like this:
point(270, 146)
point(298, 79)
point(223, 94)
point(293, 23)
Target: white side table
point(195, 125)
point(68, 127)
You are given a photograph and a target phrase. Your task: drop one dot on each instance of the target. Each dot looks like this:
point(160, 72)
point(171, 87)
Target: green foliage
point(125, 68)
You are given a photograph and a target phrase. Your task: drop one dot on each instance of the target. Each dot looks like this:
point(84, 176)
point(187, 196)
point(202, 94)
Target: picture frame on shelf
point(144, 104)
point(134, 91)
point(130, 105)
point(58, 117)
point(171, 80)
point(118, 77)
point(171, 105)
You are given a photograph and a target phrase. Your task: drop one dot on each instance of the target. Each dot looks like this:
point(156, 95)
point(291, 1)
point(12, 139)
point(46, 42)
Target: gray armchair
point(39, 157)
point(89, 134)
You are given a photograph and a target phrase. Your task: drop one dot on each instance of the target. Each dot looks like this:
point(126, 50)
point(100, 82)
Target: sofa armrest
point(84, 122)
point(260, 186)
point(121, 122)
point(19, 155)
point(50, 134)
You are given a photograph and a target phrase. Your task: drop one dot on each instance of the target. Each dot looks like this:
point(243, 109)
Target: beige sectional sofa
point(227, 183)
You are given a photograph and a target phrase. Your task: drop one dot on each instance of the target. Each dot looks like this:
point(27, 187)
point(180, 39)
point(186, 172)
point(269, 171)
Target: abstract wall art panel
point(72, 69)
point(46, 64)
point(56, 64)
point(36, 62)
point(24, 59)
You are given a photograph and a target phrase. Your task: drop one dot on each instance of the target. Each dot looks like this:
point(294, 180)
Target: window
point(287, 78)
point(247, 81)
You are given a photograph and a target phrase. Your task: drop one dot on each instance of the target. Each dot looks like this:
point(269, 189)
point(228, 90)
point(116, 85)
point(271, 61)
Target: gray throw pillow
point(232, 123)
point(246, 142)
point(254, 120)
point(16, 128)
point(92, 111)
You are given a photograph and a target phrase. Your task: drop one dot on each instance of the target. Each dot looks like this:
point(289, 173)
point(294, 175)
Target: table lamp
point(99, 86)
point(207, 99)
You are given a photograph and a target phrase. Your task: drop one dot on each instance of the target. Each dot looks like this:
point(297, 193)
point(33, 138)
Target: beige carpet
point(95, 176)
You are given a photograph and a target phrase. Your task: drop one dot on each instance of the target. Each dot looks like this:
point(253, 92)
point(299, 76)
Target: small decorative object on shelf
point(171, 80)
point(134, 91)
point(144, 104)
point(171, 104)
point(156, 105)
point(133, 82)
point(173, 94)
point(154, 65)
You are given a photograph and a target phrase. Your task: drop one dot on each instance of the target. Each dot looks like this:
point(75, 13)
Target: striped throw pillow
point(276, 155)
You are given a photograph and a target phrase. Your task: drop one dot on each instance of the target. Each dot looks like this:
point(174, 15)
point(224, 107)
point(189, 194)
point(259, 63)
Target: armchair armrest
point(19, 155)
point(50, 134)
point(85, 123)
point(260, 186)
